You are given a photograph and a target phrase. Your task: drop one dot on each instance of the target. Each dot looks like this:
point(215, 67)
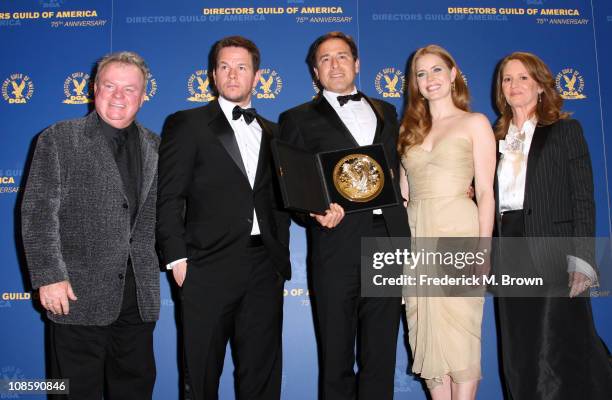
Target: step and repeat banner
point(50, 48)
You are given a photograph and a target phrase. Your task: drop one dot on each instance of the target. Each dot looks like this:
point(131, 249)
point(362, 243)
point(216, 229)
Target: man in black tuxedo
point(222, 233)
point(341, 117)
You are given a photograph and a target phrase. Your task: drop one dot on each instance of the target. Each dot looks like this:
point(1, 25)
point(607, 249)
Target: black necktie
point(124, 164)
point(249, 114)
point(120, 138)
point(342, 100)
point(121, 150)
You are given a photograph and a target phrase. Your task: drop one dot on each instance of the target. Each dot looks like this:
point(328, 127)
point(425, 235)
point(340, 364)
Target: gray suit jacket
point(76, 222)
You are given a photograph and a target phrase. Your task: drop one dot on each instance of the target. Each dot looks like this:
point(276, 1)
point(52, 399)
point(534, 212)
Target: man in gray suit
point(88, 219)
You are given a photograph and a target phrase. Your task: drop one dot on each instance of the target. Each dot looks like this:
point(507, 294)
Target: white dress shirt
point(358, 117)
point(512, 167)
point(511, 174)
point(248, 137)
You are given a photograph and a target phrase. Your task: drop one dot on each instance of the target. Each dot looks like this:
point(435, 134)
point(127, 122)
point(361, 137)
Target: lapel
point(496, 188)
point(148, 153)
point(100, 152)
point(328, 113)
point(264, 150)
point(380, 120)
point(535, 151)
point(495, 182)
point(221, 128)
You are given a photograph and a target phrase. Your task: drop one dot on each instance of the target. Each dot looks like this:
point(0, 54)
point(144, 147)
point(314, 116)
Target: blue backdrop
point(50, 47)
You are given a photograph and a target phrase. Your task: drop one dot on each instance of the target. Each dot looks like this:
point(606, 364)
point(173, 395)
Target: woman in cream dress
point(444, 148)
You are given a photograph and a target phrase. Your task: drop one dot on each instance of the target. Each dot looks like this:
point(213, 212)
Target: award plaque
point(357, 178)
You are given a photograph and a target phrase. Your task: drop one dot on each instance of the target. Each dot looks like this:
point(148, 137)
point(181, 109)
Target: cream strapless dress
point(444, 332)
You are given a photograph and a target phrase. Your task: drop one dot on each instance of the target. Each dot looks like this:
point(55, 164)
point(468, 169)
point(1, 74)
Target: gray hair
point(123, 57)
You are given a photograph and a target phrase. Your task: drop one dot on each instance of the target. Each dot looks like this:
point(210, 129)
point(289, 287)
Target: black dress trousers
point(346, 322)
point(115, 360)
point(241, 304)
point(550, 349)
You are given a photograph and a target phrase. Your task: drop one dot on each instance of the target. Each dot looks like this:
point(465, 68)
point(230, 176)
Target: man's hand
point(180, 271)
point(578, 282)
point(54, 297)
point(332, 216)
point(470, 192)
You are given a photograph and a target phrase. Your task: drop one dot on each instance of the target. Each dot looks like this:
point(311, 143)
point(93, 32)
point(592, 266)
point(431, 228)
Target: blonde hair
point(123, 57)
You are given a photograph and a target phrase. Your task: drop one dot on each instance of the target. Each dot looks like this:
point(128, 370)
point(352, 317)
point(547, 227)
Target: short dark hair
point(312, 52)
point(235, 41)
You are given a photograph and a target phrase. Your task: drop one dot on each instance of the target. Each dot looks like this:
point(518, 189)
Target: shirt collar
point(110, 132)
point(332, 97)
point(528, 127)
point(227, 107)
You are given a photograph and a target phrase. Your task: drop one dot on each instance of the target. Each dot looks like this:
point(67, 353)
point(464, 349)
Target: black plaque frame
point(306, 179)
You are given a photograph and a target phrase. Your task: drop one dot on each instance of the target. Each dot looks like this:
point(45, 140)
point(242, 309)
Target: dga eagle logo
point(151, 87)
point(10, 373)
point(390, 82)
point(270, 84)
point(570, 84)
point(77, 89)
point(316, 88)
point(17, 89)
point(299, 270)
point(404, 383)
point(199, 87)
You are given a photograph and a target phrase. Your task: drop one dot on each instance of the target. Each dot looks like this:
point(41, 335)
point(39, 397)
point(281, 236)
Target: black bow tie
point(342, 100)
point(249, 114)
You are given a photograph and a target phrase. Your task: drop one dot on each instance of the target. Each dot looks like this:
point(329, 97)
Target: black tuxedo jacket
point(315, 126)
point(205, 202)
point(558, 198)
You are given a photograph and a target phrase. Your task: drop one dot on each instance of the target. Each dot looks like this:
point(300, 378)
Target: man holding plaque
point(221, 232)
point(341, 117)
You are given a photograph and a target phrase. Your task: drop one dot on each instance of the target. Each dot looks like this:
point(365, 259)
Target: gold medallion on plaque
point(358, 177)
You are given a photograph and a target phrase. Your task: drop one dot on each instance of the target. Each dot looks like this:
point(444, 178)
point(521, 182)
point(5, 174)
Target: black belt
point(513, 223)
point(512, 212)
point(255, 241)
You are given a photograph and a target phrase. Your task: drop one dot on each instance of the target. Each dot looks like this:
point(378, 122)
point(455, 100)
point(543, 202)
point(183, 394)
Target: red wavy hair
point(548, 108)
point(416, 122)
